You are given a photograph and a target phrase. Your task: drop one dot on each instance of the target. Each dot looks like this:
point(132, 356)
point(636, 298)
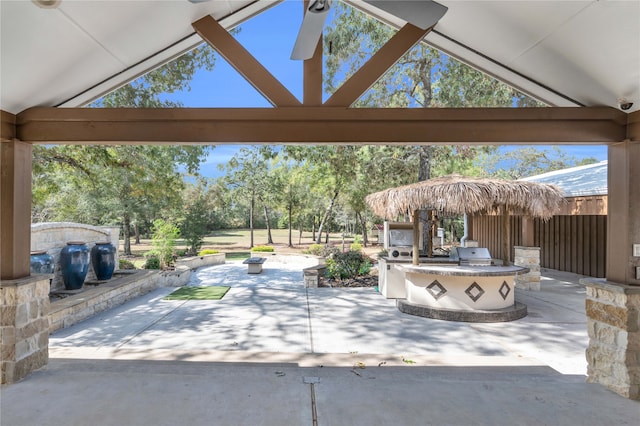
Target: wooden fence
point(567, 243)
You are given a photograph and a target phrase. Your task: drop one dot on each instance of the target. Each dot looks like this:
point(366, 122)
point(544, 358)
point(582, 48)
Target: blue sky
point(270, 37)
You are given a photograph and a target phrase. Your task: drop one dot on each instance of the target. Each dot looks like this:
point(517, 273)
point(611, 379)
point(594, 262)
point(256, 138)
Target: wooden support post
point(15, 209)
point(430, 226)
point(416, 237)
point(506, 237)
point(528, 239)
point(623, 220)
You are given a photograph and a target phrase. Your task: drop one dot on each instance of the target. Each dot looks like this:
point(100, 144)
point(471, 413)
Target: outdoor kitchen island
point(475, 290)
point(470, 293)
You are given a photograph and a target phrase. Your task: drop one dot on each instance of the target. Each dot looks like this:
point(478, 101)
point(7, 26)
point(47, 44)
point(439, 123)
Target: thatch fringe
point(456, 194)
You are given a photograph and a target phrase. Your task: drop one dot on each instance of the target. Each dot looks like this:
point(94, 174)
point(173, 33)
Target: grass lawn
point(237, 242)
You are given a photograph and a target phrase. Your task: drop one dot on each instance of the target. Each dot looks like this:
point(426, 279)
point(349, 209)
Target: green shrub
point(355, 247)
point(207, 251)
point(316, 249)
point(164, 240)
point(194, 226)
point(153, 262)
point(322, 250)
point(350, 264)
point(263, 249)
point(126, 264)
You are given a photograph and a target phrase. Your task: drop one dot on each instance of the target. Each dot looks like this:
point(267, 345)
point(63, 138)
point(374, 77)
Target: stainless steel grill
point(401, 253)
point(474, 256)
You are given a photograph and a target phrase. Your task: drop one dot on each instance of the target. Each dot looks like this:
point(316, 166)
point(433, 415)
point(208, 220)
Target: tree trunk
point(323, 222)
point(363, 223)
point(266, 219)
point(126, 224)
point(313, 227)
point(290, 208)
point(424, 173)
point(426, 155)
point(251, 208)
point(300, 232)
point(136, 231)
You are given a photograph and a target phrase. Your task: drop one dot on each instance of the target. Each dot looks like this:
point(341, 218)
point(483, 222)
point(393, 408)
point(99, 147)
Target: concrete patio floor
point(274, 353)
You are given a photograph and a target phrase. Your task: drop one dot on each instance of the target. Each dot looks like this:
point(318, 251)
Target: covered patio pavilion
point(580, 57)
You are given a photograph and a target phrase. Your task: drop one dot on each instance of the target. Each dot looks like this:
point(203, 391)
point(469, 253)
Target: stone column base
point(313, 276)
point(24, 326)
point(528, 257)
point(613, 324)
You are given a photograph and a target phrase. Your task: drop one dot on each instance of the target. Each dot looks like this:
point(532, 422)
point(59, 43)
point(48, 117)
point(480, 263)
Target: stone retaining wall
point(53, 237)
point(200, 261)
point(613, 325)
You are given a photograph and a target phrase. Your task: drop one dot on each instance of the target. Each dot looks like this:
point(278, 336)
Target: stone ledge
point(21, 281)
point(106, 295)
point(602, 283)
point(527, 248)
point(519, 310)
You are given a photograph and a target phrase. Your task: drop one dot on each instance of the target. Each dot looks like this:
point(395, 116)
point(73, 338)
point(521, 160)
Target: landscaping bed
point(364, 281)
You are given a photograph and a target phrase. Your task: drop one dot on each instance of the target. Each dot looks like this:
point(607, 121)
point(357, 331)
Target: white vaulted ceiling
point(563, 52)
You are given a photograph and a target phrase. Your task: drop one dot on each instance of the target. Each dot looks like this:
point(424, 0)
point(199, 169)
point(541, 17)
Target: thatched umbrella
point(459, 195)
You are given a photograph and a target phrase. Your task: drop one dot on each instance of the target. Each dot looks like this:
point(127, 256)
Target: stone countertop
point(464, 270)
point(423, 260)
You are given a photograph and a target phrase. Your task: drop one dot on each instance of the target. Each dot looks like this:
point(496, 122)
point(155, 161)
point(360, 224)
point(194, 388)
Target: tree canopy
point(121, 184)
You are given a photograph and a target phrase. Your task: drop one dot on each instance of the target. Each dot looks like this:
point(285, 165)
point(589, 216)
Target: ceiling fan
point(421, 13)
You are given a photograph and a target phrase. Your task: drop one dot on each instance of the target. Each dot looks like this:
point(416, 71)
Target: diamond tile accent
point(436, 289)
point(504, 290)
point(474, 291)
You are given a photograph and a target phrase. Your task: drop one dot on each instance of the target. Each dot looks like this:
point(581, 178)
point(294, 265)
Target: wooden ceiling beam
point(245, 63)
point(312, 79)
point(312, 74)
point(633, 126)
point(7, 126)
point(318, 125)
point(372, 70)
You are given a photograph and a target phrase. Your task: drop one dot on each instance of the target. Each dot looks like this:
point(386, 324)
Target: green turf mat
point(198, 293)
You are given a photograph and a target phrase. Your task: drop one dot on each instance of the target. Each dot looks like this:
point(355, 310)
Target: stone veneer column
point(24, 326)
point(527, 257)
point(613, 324)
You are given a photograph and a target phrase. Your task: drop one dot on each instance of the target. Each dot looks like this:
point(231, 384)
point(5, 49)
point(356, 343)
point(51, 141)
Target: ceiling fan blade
point(421, 13)
point(311, 29)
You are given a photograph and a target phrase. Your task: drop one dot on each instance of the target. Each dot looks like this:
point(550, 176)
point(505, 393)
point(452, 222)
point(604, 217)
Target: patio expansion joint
point(311, 348)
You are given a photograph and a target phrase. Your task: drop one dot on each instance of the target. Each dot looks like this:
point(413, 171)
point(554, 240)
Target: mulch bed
point(365, 281)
